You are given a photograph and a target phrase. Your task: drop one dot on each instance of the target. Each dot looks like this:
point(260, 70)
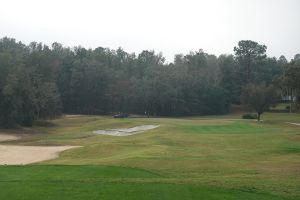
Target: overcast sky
point(169, 26)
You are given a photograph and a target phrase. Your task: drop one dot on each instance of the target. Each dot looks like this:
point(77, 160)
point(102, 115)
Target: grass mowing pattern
point(99, 182)
point(71, 172)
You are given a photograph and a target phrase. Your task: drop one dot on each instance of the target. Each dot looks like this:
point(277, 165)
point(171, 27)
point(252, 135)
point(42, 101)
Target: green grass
point(101, 190)
point(215, 157)
point(94, 182)
point(70, 172)
point(236, 127)
point(281, 107)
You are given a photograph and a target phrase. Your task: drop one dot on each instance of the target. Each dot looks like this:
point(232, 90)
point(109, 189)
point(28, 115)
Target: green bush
point(249, 116)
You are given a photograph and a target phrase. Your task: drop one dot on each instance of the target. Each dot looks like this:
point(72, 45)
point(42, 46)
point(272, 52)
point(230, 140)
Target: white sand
point(126, 131)
point(20, 155)
point(297, 124)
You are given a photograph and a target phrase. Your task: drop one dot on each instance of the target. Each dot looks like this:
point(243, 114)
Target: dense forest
point(38, 81)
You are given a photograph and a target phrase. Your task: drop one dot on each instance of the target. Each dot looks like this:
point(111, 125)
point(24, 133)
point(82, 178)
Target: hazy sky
point(169, 26)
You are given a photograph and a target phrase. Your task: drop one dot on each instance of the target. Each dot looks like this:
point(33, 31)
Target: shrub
point(249, 116)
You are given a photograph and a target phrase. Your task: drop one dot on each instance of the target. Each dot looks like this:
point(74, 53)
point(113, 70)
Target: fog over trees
point(38, 81)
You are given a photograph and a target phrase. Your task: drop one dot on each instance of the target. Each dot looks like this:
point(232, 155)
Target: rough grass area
point(216, 157)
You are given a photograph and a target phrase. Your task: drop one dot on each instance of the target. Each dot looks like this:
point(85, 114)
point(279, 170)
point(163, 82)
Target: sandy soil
point(20, 155)
point(126, 131)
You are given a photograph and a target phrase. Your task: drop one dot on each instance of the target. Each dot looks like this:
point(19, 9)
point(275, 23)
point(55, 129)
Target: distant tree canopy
point(38, 81)
point(249, 54)
point(290, 80)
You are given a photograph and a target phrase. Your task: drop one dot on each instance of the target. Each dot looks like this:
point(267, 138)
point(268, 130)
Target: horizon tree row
point(39, 82)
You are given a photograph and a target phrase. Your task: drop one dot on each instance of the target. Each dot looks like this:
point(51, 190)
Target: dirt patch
point(20, 155)
point(126, 131)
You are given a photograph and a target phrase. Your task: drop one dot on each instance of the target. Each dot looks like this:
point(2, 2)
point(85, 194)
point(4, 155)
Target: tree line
point(38, 81)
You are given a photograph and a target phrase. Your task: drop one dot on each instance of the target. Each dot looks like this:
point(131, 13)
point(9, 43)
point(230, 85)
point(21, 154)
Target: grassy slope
point(212, 158)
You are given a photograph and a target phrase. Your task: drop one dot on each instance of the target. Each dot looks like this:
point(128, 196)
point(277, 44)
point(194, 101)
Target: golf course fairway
point(209, 158)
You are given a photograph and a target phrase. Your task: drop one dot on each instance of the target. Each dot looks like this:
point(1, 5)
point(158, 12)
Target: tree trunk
point(248, 71)
point(291, 101)
point(258, 116)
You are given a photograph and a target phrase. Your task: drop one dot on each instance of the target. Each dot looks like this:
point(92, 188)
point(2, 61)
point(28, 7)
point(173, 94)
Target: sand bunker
point(20, 155)
point(4, 137)
point(126, 131)
point(297, 124)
